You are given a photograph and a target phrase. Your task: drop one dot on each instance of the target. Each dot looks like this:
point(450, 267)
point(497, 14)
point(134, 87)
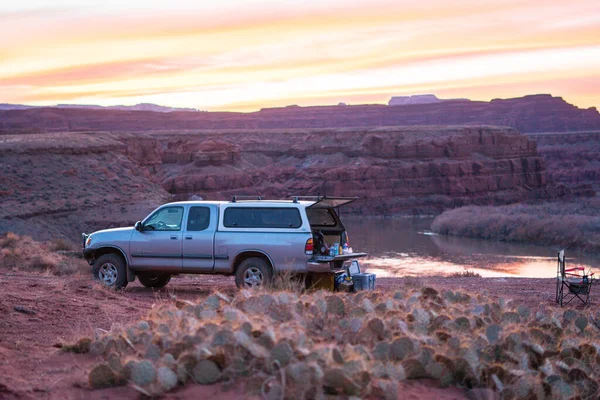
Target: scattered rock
point(24, 310)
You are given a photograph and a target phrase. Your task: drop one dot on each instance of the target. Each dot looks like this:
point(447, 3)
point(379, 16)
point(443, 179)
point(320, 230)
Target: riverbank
point(65, 309)
point(564, 224)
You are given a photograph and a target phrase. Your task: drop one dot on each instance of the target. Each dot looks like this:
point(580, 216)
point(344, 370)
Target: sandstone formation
point(418, 99)
point(87, 181)
point(406, 170)
point(537, 113)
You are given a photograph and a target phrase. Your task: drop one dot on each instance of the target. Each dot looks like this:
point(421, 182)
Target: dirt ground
point(63, 309)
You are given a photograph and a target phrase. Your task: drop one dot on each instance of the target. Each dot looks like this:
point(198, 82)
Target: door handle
point(188, 237)
point(174, 237)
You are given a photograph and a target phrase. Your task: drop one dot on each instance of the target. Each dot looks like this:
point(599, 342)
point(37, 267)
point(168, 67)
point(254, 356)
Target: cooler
point(363, 281)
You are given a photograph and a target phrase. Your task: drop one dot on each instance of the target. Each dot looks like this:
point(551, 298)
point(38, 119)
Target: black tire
point(154, 280)
point(111, 271)
point(255, 268)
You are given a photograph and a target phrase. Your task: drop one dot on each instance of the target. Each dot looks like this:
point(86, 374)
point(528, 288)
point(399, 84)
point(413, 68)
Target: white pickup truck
point(251, 239)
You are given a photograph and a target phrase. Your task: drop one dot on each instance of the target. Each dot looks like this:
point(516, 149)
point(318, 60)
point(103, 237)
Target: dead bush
point(564, 224)
point(25, 254)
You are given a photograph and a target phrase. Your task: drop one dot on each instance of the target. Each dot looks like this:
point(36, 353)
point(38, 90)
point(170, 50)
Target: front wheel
point(154, 280)
point(253, 272)
point(111, 271)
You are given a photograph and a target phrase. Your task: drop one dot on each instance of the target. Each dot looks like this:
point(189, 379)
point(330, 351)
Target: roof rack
point(297, 198)
point(234, 199)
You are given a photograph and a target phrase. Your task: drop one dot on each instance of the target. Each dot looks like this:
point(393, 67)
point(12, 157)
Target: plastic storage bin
point(363, 281)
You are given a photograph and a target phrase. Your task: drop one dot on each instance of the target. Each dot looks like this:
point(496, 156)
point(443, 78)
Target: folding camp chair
point(575, 280)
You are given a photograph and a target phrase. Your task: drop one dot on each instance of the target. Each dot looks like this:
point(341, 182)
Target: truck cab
point(250, 239)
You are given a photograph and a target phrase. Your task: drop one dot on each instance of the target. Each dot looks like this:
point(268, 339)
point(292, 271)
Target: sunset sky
point(244, 55)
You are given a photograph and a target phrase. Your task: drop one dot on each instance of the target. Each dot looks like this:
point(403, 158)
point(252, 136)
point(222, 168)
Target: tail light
point(308, 248)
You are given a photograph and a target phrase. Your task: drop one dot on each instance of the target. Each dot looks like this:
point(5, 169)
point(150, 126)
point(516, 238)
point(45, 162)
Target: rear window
point(262, 217)
point(320, 217)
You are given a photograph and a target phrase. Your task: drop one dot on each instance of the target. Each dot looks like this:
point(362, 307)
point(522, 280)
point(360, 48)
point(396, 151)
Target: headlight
point(88, 241)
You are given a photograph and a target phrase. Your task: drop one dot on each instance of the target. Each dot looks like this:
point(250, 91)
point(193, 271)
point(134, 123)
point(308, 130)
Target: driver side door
point(158, 245)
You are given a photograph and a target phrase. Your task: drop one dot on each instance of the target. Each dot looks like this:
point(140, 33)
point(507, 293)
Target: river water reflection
point(404, 246)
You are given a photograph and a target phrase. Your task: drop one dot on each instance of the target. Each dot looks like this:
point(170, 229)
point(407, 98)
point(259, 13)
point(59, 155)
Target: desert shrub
point(25, 254)
point(564, 224)
point(466, 273)
point(288, 345)
point(60, 244)
point(9, 240)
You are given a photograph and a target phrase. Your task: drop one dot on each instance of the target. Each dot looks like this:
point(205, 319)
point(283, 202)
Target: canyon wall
point(393, 170)
point(64, 183)
point(536, 113)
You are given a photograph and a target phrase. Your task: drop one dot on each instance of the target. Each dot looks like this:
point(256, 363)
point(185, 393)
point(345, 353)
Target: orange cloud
point(236, 55)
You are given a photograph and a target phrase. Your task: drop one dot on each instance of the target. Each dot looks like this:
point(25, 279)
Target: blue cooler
point(363, 281)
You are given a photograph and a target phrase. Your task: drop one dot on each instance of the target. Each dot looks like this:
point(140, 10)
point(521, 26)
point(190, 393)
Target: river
point(406, 246)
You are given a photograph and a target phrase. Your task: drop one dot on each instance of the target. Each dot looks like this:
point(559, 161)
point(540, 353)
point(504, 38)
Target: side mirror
point(138, 226)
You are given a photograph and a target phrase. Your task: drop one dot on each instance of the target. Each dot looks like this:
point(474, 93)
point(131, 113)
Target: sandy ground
point(64, 309)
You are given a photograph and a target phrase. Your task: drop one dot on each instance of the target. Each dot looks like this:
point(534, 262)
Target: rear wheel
point(154, 280)
point(253, 272)
point(111, 271)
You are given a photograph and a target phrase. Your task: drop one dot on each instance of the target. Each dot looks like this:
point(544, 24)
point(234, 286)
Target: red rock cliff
point(414, 170)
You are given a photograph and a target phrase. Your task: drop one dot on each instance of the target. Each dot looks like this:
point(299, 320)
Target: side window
point(262, 217)
point(165, 219)
point(199, 219)
point(320, 217)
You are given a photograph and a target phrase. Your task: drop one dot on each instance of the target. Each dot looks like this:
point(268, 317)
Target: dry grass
point(60, 244)
point(287, 281)
point(574, 225)
point(292, 346)
point(23, 253)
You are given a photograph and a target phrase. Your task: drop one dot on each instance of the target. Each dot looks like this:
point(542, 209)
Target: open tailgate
point(341, 257)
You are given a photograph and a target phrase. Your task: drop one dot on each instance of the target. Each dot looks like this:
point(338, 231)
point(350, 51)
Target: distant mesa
point(137, 107)
point(418, 99)
point(529, 114)
point(6, 106)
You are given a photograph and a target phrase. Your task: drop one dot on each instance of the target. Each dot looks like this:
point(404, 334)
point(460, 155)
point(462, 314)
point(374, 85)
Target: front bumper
point(88, 255)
